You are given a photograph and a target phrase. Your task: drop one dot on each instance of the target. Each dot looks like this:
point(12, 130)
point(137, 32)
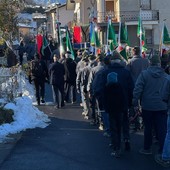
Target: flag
point(141, 32)
point(111, 34)
point(124, 54)
point(141, 35)
point(94, 41)
point(39, 41)
point(44, 44)
point(123, 35)
point(77, 37)
point(69, 45)
point(166, 38)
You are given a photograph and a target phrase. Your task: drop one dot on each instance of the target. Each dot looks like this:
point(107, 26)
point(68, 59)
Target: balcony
point(146, 15)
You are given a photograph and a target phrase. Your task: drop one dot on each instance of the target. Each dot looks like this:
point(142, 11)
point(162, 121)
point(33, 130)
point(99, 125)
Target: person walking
point(96, 118)
point(125, 79)
point(56, 74)
point(137, 64)
point(81, 85)
point(38, 75)
point(154, 110)
point(164, 158)
point(114, 106)
point(70, 79)
point(21, 51)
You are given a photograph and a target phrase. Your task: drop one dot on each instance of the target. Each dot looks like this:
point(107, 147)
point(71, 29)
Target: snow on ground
point(26, 116)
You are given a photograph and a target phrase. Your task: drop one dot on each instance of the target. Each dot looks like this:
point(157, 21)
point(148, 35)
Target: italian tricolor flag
point(141, 35)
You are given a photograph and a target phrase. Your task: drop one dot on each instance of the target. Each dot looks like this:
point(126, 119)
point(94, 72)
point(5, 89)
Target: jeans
point(159, 119)
point(166, 148)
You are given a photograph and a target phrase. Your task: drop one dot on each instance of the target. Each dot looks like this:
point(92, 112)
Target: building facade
point(58, 13)
point(153, 13)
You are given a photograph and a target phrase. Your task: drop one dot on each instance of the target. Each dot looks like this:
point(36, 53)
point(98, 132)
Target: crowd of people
point(108, 87)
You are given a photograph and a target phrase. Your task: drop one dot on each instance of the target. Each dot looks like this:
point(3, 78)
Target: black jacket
point(56, 73)
point(70, 71)
point(44, 73)
point(114, 98)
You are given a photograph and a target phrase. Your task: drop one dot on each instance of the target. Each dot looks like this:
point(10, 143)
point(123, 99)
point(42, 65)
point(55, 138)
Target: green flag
point(123, 34)
point(69, 45)
point(111, 33)
point(124, 54)
point(111, 46)
point(94, 39)
point(166, 38)
point(44, 44)
point(141, 32)
point(141, 35)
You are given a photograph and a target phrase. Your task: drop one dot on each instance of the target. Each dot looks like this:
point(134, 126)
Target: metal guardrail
point(10, 83)
point(146, 15)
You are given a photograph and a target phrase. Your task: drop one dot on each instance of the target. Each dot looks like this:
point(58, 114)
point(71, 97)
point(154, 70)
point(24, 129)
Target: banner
point(77, 35)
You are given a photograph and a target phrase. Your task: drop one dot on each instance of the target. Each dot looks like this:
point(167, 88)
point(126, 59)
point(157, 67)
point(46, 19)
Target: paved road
point(71, 143)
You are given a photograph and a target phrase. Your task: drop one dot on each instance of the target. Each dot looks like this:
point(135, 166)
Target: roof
point(50, 8)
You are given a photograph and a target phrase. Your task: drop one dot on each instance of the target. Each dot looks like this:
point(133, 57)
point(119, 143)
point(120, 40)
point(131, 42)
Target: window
point(145, 4)
point(148, 35)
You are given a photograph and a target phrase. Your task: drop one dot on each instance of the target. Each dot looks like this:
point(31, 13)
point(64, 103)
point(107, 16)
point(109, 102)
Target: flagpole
point(95, 39)
point(140, 31)
point(119, 31)
point(80, 39)
point(108, 32)
point(161, 38)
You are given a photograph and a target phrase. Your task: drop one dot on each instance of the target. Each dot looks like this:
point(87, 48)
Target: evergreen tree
point(8, 17)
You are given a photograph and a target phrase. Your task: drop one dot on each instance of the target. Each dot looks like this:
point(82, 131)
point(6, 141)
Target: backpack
point(36, 68)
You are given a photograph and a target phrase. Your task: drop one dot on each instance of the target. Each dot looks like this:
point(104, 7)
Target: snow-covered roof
point(24, 16)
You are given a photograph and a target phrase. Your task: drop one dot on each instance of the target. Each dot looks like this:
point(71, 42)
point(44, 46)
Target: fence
point(10, 83)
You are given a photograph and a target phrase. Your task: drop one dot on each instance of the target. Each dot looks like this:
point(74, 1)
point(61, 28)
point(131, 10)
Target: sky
point(26, 115)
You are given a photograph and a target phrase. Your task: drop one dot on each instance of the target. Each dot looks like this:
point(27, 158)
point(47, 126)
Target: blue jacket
point(124, 78)
point(148, 89)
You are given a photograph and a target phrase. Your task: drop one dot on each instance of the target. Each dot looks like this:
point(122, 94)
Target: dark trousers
point(20, 59)
point(39, 89)
point(115, 120)
point(125, 124)
point(70, 92)
point(58, 95)
point(93, 107)
point(157, 119)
